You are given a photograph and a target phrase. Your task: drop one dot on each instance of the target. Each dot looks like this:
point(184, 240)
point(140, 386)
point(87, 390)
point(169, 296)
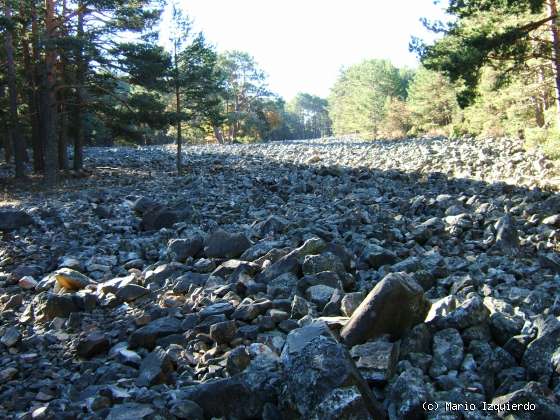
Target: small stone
point(507, 236)
point(93, 344)
point(181, 249)
point(223, 332)
point(408, 393)
point(376, 360)
point(300, 307)
point(448, 352)
point(469, 313)
point(72, 279)
point(222, 244)
point(7, 374)
point(131, 292)
point(147, 335)
point(156, 368)
point(442, 308)
point(188, 410)
point(375, 256)
point(553, 220)
point(11, 337)
point(237, 360)
point(130, 411)
point(27, 282)
point(14, 302)
point(350, 302)
point(11, 219)
point(319, 294)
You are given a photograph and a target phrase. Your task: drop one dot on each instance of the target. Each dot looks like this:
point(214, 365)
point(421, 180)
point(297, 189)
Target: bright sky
point(302, 44)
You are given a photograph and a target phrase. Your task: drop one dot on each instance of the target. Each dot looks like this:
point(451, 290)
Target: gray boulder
point(393, 306)
point(222, 244)
point(316, 368)
point(181, 249)
point(147, 335)
point(11, 219)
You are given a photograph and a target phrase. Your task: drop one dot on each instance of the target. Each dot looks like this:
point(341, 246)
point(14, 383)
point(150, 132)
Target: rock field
point(319, 279)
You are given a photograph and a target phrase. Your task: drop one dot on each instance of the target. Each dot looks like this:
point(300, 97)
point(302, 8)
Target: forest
point(92, 73)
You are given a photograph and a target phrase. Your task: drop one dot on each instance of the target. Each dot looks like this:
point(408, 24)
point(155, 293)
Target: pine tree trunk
point(178, 112)
point(49, 111)
point(80, 81)
point(32, 99)
point(555, 54)
point(218, 134)
point(62, 136)
point(6, 140)
point(13, 129)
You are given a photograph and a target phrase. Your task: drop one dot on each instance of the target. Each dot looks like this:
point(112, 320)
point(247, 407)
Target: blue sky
point(302, 44)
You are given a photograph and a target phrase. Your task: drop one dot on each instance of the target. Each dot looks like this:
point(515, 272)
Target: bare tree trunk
point(553, 7)
point(80, 81)
point(32, 99)
point(6, 140)
point(13, 128)
point(49, 111)
point(178, 111)
point(218, 134)
point(62, 135)
point(62, 107)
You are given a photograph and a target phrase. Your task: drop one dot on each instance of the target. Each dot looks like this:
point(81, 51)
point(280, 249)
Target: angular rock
point(448, 352)
point(131, 411)
point(184, 282)
point(11, 337)
point(408, 393)
point(310, 384)
point(537, 358)
point(187, 410)
point(27, 282)
point(131, 292)
point(156, 368)
point(72, 279)
point(48, 306)
point(375, 256)
point(319, 294)
point(243, 396)
point(147, 335)
point(393, 306)
point(471, 312)
point(442, 308)
point(376, 360)
point(530, 405)
point(283, 286)
point(507, 237)
point(159, 217)
point(350, 302)
point(181, 249)
point(222, 244)
point(223, 332)
point(417, 340)
point(314, 264)
point(93, 344)
point(11, 219)
point(237, 360)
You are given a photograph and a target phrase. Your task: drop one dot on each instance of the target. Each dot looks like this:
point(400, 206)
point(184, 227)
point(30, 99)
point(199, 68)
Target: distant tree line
point(91, 72)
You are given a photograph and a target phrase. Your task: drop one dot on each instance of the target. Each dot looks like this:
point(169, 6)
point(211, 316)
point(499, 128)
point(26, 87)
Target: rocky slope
point(299, 280)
